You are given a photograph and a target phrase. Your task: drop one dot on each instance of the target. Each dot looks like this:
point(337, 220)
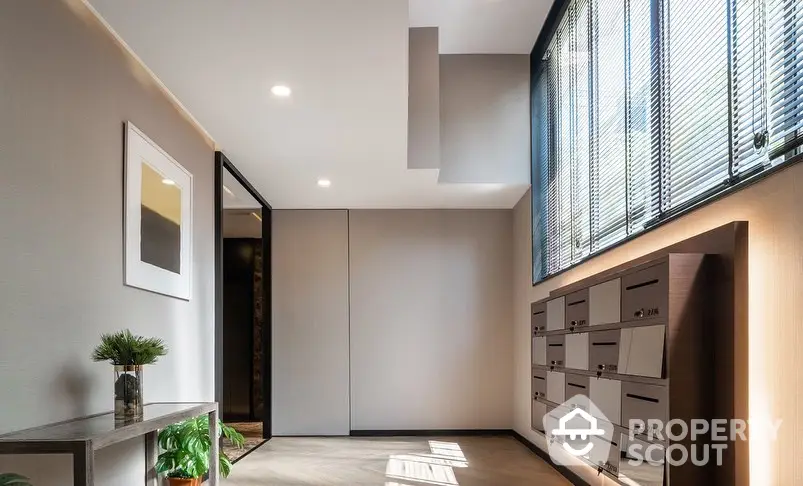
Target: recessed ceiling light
point(324, 183)
point(168, 182)
point(281, 91)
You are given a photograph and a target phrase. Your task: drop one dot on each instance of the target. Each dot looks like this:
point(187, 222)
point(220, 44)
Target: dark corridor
point(242, 327)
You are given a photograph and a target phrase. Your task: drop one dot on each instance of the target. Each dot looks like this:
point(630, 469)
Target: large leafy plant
point(125, 349)
point(186, 448)
point(11, 479)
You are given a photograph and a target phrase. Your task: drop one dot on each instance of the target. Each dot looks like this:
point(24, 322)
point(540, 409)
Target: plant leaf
point(11, 479)
point(187, 445)
point(124, 348)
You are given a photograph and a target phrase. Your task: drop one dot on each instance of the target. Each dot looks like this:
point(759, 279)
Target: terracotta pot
point(184, 482)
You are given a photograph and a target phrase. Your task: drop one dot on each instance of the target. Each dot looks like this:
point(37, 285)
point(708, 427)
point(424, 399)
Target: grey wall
point(431, 343)
point(423, 123)
point(310, 323)
point(485, 118)
point(392, 319)
point(65, 91)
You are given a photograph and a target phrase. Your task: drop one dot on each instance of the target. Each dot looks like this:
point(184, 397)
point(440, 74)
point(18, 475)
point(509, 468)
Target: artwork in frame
point(158, 218)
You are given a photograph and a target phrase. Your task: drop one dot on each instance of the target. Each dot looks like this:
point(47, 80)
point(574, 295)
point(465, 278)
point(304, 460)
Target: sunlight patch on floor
point(448, 449)
point(434, 468)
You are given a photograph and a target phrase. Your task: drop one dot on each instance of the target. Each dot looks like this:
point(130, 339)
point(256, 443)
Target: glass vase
point(127, 394)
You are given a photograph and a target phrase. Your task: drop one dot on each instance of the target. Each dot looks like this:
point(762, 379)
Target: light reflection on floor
point(436, 467)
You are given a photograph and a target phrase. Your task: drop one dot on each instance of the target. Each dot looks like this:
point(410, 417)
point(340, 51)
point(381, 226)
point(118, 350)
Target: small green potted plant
point(11, 479)
point(128, 353)
point(186, 447)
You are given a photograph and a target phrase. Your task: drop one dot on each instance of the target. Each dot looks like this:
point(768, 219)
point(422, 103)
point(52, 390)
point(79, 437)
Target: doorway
point(243, 322)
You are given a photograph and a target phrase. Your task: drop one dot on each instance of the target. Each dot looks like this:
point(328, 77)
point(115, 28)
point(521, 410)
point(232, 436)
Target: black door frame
point(222, 163)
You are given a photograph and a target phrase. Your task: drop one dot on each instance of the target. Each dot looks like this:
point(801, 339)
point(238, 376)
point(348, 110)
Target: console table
point(83, 436)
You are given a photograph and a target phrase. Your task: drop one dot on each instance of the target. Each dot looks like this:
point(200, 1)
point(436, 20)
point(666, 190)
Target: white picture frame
point(141, 269)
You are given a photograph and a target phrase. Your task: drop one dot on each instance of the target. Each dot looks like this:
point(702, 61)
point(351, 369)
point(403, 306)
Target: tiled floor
point(399, 461)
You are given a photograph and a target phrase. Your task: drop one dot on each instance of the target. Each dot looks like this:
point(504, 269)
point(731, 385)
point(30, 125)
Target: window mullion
point(731, 26)
point(573, 128)
point(628, 114)
point(593, 116)
point(659, 99)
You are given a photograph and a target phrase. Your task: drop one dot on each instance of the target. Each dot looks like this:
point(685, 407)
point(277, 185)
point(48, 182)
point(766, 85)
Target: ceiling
point(346, 63)
point(482, 26)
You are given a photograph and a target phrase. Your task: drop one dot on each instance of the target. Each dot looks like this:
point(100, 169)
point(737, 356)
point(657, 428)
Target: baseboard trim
point(562, 470)
point(431, 433)
point(309, 436)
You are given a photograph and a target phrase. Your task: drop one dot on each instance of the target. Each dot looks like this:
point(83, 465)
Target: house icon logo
point(578, 432)
point(583, 434)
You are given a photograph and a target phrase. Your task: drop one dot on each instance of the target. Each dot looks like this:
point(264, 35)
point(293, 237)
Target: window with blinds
point(645, 108)
point(609, 115)
point(785, 68)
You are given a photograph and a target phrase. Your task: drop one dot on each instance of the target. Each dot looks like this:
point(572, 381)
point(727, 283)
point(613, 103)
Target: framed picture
point(158, 218)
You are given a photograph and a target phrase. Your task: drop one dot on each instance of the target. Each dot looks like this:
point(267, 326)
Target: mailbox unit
point(635, 343)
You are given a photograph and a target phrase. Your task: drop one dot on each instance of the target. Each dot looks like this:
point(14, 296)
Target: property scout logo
point(578, 429)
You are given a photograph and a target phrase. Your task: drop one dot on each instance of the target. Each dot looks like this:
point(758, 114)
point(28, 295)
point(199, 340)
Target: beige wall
point(430, 319)
point(310, 323)
point(65, 91)
point(773, 209)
